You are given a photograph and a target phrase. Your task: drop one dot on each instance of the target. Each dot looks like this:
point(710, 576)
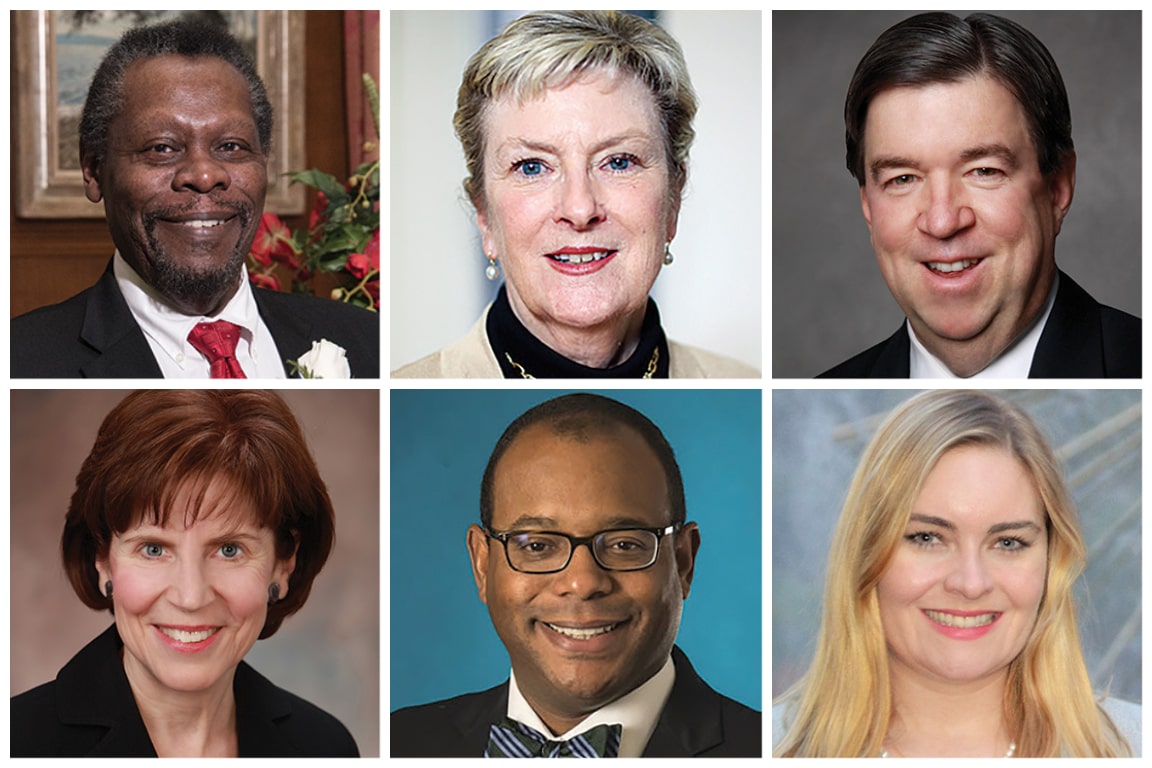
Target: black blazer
point(89, 711)
point(93, 334)
point(1083, 339)
point(696, 722)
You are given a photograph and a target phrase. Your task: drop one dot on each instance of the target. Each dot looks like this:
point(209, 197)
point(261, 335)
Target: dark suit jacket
point(1083, 339)
point(696, 722)
point(93, 334)
point(89, 711)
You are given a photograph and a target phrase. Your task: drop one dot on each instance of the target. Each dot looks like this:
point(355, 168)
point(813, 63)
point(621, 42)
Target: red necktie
point(217, 342)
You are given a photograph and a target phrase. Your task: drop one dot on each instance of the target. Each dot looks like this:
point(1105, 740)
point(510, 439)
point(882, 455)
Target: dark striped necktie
point(509, 738)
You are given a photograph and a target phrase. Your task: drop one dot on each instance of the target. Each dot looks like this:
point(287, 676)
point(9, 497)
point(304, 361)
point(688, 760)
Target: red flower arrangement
point(342, 237)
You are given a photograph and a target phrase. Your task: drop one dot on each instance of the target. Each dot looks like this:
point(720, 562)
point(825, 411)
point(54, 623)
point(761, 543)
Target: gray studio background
point(817, 439)
point(710, 297)
point(328, 652)
point(829, 301)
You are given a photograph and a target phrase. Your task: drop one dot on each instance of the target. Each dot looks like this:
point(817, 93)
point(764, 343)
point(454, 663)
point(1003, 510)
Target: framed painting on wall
point(57, 52)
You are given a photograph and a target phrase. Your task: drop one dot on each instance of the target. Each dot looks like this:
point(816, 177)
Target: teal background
point(441, 639)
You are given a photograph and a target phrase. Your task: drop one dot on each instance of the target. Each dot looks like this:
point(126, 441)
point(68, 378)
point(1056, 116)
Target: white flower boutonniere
point(324, 361)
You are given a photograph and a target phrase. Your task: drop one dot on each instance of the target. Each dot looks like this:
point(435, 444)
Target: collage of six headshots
point(946, 568)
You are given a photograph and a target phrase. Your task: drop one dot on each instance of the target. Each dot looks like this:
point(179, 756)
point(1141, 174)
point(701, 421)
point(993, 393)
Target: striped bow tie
point(509, 738)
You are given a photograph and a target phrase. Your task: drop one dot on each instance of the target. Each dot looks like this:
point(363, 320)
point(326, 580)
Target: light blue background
point(442, 641)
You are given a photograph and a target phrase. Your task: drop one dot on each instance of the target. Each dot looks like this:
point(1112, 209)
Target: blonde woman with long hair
point(949, 624)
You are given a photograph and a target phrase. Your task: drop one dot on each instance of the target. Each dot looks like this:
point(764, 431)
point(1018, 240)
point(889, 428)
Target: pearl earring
point(668, 257)
point(492, 272)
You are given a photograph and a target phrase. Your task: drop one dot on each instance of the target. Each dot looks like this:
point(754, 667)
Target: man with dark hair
point(174, 138)
point(584, 559)
point(959, 135)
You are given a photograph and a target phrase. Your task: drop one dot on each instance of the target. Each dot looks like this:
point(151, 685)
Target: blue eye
point(620, 163)
point(153, 550)
point(229, 551)
point(529, 167)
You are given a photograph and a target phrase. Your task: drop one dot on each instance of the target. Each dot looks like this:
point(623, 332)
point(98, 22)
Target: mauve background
point(328, 653)
point(828, 299)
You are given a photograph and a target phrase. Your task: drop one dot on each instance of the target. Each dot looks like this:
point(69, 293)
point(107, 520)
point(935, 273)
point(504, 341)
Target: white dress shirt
point(637, 712)
point(1013, 363)
point(167, 329)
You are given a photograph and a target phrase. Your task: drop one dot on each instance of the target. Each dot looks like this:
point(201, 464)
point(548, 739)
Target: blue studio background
point(442, 641)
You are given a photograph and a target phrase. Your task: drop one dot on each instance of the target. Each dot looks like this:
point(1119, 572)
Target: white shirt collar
point(166, 329)
point(637, 712)
point(1013, 363)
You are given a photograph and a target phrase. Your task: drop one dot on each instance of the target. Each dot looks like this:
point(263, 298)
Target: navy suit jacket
point(93, 334)
point(89, 711)
point(696, 722)
point(1083, 339)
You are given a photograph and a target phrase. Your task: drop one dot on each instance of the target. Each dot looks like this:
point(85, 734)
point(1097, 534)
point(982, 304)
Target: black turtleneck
point(509, 338)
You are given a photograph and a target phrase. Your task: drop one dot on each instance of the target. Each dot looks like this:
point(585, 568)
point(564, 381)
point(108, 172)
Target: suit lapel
point(893, 360)
point(691, 722)
point(291, 331)
point(110, 330)
point(473, 723)
point(1070, 345)
point(92, 690)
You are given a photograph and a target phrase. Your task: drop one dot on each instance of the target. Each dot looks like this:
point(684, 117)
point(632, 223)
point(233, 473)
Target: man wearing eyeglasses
point(584, 557)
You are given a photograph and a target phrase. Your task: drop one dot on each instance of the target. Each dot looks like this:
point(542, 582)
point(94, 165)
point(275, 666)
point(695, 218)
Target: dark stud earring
point(273, 594)
point(108, 588)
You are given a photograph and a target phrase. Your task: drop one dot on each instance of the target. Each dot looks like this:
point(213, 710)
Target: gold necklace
point(647, 374)
point(1011, 751)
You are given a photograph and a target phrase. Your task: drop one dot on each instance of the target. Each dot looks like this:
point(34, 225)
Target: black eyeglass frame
point(576, 541)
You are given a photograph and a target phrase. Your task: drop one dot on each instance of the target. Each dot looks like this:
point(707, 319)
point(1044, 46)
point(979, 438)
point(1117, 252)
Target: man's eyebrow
point(888, 162)
point(998, 151)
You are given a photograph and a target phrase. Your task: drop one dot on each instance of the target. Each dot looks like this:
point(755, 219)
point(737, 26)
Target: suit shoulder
point(316, 732)
point(855, 367)
point(316, 306)
point(301, 728)
point(1121, 336)
point(37, 730)
point(39, 337)
point(31, 719)
point(445, 728)
point(743, 729)
point(692, 362)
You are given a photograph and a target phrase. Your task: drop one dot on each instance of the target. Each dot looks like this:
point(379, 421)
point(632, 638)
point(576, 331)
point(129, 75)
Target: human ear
point(487, 240)
point(103, 572)
point(91, 171)
point(478, 550)
point(865, 208)
point(687, 545)
point(285, 568)
point(1062, 184)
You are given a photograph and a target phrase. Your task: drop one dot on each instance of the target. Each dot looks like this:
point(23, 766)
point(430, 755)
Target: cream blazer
point(471, 357)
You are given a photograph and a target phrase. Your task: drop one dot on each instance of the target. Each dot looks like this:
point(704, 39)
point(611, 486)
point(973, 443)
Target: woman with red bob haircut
point(200, 521)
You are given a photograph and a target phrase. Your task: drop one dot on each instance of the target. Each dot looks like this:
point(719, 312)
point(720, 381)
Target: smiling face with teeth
point(582, 638)
point(962, 221)
point(183, 179)
point(190, 602)
point(577, 205)
point(960, 597)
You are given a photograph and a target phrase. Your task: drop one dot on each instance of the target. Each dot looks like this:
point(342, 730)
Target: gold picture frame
point(48, 181)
